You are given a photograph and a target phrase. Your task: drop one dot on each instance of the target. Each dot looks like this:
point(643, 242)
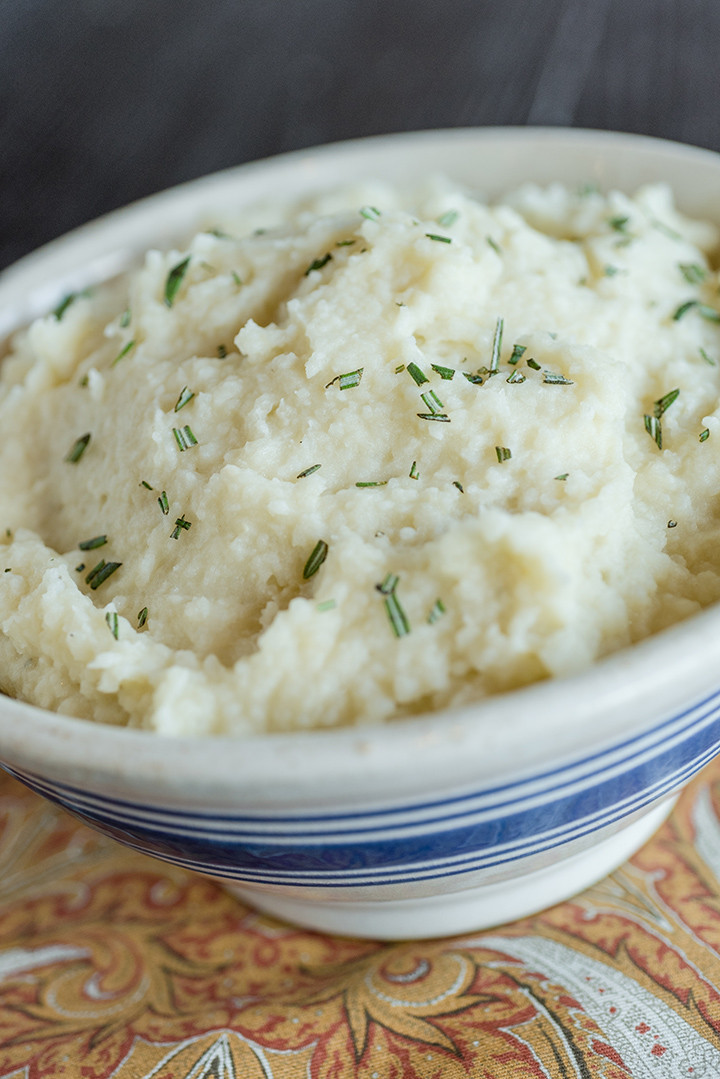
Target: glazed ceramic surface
point(424, 827)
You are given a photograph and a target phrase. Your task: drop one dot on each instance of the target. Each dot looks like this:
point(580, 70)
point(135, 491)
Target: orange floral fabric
point(115, 965)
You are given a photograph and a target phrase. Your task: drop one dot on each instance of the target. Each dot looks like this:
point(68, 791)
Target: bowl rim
point(458, 746)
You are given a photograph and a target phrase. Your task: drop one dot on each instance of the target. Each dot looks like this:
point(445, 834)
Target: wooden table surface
point(103, 101)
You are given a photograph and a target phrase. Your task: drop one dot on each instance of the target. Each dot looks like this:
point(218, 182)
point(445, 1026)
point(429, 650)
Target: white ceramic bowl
point(430, 826)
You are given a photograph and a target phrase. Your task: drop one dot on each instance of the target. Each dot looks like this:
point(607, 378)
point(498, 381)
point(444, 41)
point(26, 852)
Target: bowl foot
point(477, 907)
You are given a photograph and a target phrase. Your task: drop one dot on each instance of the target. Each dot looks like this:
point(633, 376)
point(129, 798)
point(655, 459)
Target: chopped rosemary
point(534, 364)
point(496, 346)
point(703, 309)
point(562, 476)
point(184, 438)
point(164, 504)
point(326, 605)
point(683, 309)
point(80, 567)
point(100, 573)
point(554, 379)
point(663, 404)
point(438, 417)
point(64, 304)
point(317, 264)
point(91, 544)
point(432, 401)
point(693, 273)
point(448, 218)
point(388, 584)
point(78, 449)
point(436, 611)
point(371, 483)
point(345, 243)
point(503, 453)
point(440, 239)
point(123, 352)
point(174, 280)
point(516, 377)
point(461, 489)
point(704, 434)
point(180, 525)
point(370, 212)
point(654, 429)
point(397, 616)
point(316, 559)
point(476, 380)
point(708, 359)
point(142, 617)
point(307, 472)
point(445, 373)
point(517, 353)
point(348, 381)
point(146, 485)
point(419, 376)
point(494, 244)
point(414, 474)
point(185, 398)
point(112, 620)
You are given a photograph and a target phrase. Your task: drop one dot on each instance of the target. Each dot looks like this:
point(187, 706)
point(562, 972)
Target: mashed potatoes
point(370, 463)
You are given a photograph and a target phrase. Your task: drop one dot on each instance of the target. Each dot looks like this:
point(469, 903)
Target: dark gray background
point(103, 101)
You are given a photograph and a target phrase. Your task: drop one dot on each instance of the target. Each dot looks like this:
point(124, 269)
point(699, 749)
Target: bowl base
point(480, 907)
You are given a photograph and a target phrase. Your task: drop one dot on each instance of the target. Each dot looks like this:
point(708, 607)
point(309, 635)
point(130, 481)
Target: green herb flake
point(370, 213)
point(91, 544)
point(326, 605)
point(181, 525)
point(708, 359)
point(123, 352)
point(461, 489)
point(665, 229)
point(562, 477)
point(437, 417)
point(414, 474)
point(307, 472)
point(503, 453)
point(184, 438)
point(100, 573)
point(494, 244)
point(432, 401)
point(446, 373)
point(417, 374)
point(351, 379)
point(174, 280)
point(516, 377)
point(654, 429)
point(236, 278)
point(345, 243)
point(517, 353)
point(703, 309)
point(371, 483)
point(618, 223)
point(436, 611)
point(397, 616)
point(146, 485)
point(164, 504)
point(112, 620)
point(399, 368)
point(553, 379)
point(64, 304)
point(693, 273)
point(475, 380)
point(704, 435)
point(439, 239)
point(683, 309)
point(610, 271)
point(78, 449)
point(142, 617)
point(316, 559)
point(125, 319)
point(448, 218)
point(185, 398)
point(496, 346)
point(80, 567)
point(534, 364)
point(388, 584)
point(663, 404)
point(317, 264)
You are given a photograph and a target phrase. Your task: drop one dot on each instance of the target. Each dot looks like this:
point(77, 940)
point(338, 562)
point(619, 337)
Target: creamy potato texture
point(377, 460)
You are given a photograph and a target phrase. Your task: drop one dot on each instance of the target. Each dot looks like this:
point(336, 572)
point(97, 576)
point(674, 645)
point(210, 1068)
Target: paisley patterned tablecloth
point(115, 965)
